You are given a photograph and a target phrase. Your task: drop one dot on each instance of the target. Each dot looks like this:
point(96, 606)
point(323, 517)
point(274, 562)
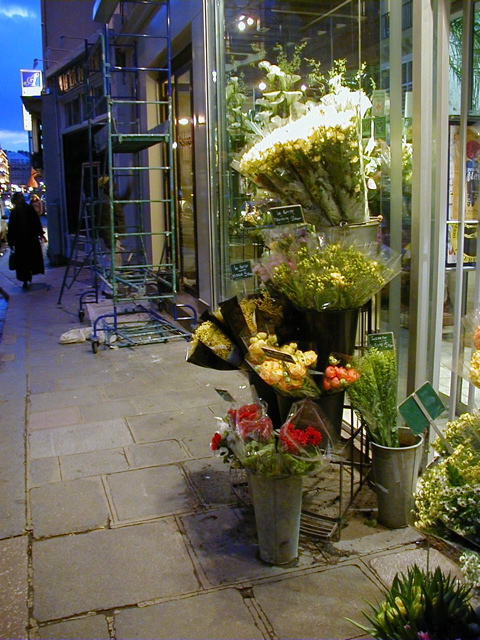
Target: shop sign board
point(287, 215)
point(241, 270)
point(32, 82)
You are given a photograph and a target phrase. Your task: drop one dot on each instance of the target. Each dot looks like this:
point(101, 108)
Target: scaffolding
point(131, 214)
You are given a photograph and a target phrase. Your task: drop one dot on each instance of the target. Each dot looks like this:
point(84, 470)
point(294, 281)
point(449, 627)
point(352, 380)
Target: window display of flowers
point(319, 159)
point(448, 494)
point(423, 605)
point(246, 439)
point(313, 274)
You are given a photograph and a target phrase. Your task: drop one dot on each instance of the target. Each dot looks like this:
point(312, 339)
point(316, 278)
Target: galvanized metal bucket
point(277, 503)
point(395, 471)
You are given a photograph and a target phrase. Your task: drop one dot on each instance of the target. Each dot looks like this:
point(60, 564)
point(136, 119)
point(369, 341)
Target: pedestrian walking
point(24, 236)
point(37, 204)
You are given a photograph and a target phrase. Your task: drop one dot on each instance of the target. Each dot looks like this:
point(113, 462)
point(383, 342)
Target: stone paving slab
point(12, 503)
point(110, 568)
point(173, 400)
point(68, 507)
point(54, 418)
point(211, 478)
point(199, 444)
point(88, 627)
point(225, 546)
point(170, 424)
point(93, 463)
point(146, 493)
point(13, 588)
point(220, 615)
point(108, 409)
point(65, 398)
point(370, 540)
point(316, 605)
point(79, 438)
point(155, 453)
point(142, 385)
point(97, 379)
point(43, 471)
point(388, 565)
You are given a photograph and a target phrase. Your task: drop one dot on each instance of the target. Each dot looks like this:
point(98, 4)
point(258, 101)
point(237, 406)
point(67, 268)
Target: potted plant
point(423, 605)
point(275, 462)
point(396, 451)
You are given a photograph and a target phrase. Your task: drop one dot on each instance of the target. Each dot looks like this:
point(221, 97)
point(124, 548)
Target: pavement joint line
point(260, 620)
point(198, 569)
point(114, 517)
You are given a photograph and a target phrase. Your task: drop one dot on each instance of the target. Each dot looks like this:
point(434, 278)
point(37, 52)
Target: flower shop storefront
point(344, 139)
point(314, 104)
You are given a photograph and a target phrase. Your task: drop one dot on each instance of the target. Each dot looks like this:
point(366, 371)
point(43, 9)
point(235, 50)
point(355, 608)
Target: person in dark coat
point(24, 234)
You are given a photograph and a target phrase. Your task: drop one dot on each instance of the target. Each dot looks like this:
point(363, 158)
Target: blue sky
point(21, 43)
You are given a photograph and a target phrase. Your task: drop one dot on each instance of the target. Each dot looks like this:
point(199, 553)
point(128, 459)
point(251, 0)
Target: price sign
point(421, 409)
point(413, 415)
point(241, 270)
point(382, 341)
point(380, 127)
point(366, 127)
point(287, 215)
point(430, 400)
point(225, 395)
point(278, 355)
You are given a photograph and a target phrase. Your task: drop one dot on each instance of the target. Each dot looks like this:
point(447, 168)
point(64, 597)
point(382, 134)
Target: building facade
point(408, 55)
point(4, 171)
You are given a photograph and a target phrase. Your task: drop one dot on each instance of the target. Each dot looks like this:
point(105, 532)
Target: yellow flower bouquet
point(318, 160)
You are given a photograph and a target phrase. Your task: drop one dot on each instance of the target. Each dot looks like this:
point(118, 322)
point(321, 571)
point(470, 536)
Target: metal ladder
point(81, 251)
point(133, 134)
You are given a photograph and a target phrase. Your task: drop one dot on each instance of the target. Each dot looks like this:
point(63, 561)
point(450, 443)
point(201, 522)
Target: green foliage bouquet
point(374, 395)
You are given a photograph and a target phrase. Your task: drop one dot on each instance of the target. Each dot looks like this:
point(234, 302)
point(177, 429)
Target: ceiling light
point(262, 86)
point(303, 87)
point(241, 26)
point(250, 21)
point(183, 121)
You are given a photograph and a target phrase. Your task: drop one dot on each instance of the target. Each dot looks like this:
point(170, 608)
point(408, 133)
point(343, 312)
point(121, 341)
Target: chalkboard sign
point(278, 355)
point(241, 270)
point(287, 215)
point(382, 341)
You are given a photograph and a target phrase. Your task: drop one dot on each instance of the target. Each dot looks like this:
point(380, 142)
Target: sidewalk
point(117, 521)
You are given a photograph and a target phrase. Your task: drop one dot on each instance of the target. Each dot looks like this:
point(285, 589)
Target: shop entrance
point(184, 181)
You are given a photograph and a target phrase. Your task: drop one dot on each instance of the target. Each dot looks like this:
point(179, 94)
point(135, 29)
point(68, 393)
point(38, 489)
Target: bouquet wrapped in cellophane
point(246, 315)
point(212, 345)
point(314, 274)
point(285, 368)
point(318, 160)
point(246, 439)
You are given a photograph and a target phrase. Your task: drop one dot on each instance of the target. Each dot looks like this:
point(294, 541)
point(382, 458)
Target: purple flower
point(422, 635)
